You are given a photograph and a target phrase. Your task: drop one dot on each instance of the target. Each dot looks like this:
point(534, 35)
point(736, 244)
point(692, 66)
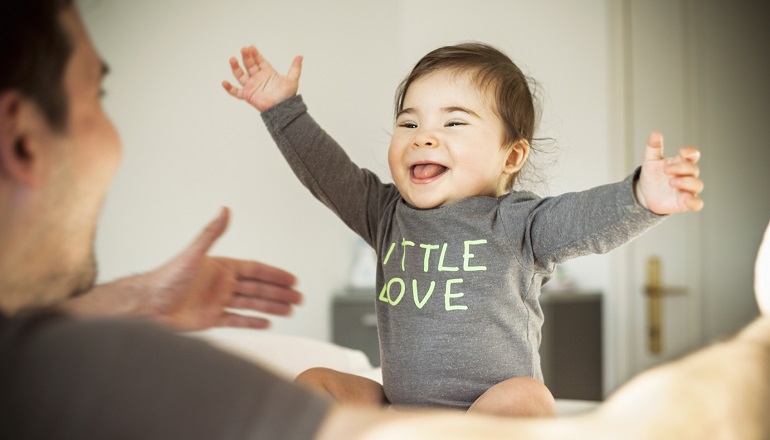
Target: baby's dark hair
point(490, 69)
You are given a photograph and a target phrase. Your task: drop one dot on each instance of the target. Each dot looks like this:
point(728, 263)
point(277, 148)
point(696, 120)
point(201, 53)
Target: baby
point(461, 257)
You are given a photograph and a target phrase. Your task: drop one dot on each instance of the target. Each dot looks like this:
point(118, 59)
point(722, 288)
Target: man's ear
point(18, 156)
point(517, 156)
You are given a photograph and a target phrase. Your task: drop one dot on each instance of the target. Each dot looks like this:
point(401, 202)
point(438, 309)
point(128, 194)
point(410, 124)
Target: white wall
point(189, 148)
point(734, 102)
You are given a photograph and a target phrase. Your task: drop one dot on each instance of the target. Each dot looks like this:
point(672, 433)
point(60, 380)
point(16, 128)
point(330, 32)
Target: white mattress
point(288, 356)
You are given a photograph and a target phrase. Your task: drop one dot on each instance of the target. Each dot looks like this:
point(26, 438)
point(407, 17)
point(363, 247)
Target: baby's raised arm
point(605, 217)
point(261, 85)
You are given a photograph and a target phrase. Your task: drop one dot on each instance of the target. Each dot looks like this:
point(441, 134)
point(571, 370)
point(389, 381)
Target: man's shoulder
point(62, 377)
point(51, 336)
point(31, 325)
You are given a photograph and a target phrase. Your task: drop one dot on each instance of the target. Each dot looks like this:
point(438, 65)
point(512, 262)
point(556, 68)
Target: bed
point(288, 355)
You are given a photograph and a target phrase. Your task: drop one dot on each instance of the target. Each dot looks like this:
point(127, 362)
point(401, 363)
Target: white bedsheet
point(288, 356)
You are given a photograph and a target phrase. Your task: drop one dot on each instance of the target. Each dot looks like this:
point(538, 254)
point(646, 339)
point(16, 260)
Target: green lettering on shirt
point(448, 295)
point(387, 256)
point(428, 248)
point(385, 293)
point(404, 244)
point(417, 301)
point(441, 267)
point(468, 255)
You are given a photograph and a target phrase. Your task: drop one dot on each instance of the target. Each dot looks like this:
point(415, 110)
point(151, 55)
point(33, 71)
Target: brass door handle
point(655, 292)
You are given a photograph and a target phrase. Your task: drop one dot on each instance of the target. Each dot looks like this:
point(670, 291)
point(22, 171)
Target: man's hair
point(34, 50)
point(491, 70)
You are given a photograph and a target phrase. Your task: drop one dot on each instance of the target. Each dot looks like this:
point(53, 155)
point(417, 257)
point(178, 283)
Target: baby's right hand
point(262, 86)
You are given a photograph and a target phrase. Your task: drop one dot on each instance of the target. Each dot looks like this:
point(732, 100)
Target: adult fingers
point(229, 319)
point(255, 270)
point(210, 234)
point(269, 291)
point(260, 305)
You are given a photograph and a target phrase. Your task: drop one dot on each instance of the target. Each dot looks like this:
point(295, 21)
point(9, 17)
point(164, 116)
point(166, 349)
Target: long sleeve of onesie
point(356, 195)
point(571, 225)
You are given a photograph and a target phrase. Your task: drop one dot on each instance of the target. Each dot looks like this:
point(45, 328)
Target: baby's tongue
point(428, 170)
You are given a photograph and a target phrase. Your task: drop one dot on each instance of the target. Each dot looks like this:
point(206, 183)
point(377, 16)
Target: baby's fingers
point(682, 168)
point(692, 185)
point(238, 93)
point(295, 70)
point(260, 61)
point(238, 73)
point(689, 154)
point(251, 59)
point(692, 203)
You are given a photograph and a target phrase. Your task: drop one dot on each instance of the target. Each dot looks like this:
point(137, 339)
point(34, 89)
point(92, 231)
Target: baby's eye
point(454, 124)
point(408, 125)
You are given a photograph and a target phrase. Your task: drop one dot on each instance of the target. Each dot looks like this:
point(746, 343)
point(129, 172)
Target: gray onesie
point(457, 286)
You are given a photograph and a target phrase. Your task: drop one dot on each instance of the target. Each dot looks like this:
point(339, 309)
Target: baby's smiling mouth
point(426, 172)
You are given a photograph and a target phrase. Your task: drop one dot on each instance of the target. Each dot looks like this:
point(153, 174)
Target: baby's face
point(447, 143)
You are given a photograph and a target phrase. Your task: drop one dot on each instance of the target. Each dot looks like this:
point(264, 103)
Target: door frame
point(620, 336)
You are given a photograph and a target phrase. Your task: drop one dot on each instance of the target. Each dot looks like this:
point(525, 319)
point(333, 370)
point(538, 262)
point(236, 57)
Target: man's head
point(35, 50)
point(58, 153)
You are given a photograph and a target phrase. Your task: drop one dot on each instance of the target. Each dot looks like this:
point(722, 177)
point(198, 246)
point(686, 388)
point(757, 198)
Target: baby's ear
point(762, 274)
point(517, 155)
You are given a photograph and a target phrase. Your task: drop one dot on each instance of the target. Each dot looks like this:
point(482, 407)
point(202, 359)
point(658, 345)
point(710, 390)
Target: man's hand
point(261, 85)
point(193, 291)
point(669, 185)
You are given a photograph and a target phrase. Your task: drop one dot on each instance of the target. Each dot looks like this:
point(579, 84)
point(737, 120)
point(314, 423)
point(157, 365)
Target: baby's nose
point(425, 138)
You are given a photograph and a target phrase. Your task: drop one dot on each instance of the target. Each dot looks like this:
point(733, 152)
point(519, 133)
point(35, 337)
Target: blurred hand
point(192, 290)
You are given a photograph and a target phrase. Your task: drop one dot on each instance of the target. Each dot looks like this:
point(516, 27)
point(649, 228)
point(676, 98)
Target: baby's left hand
point(669, 185)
